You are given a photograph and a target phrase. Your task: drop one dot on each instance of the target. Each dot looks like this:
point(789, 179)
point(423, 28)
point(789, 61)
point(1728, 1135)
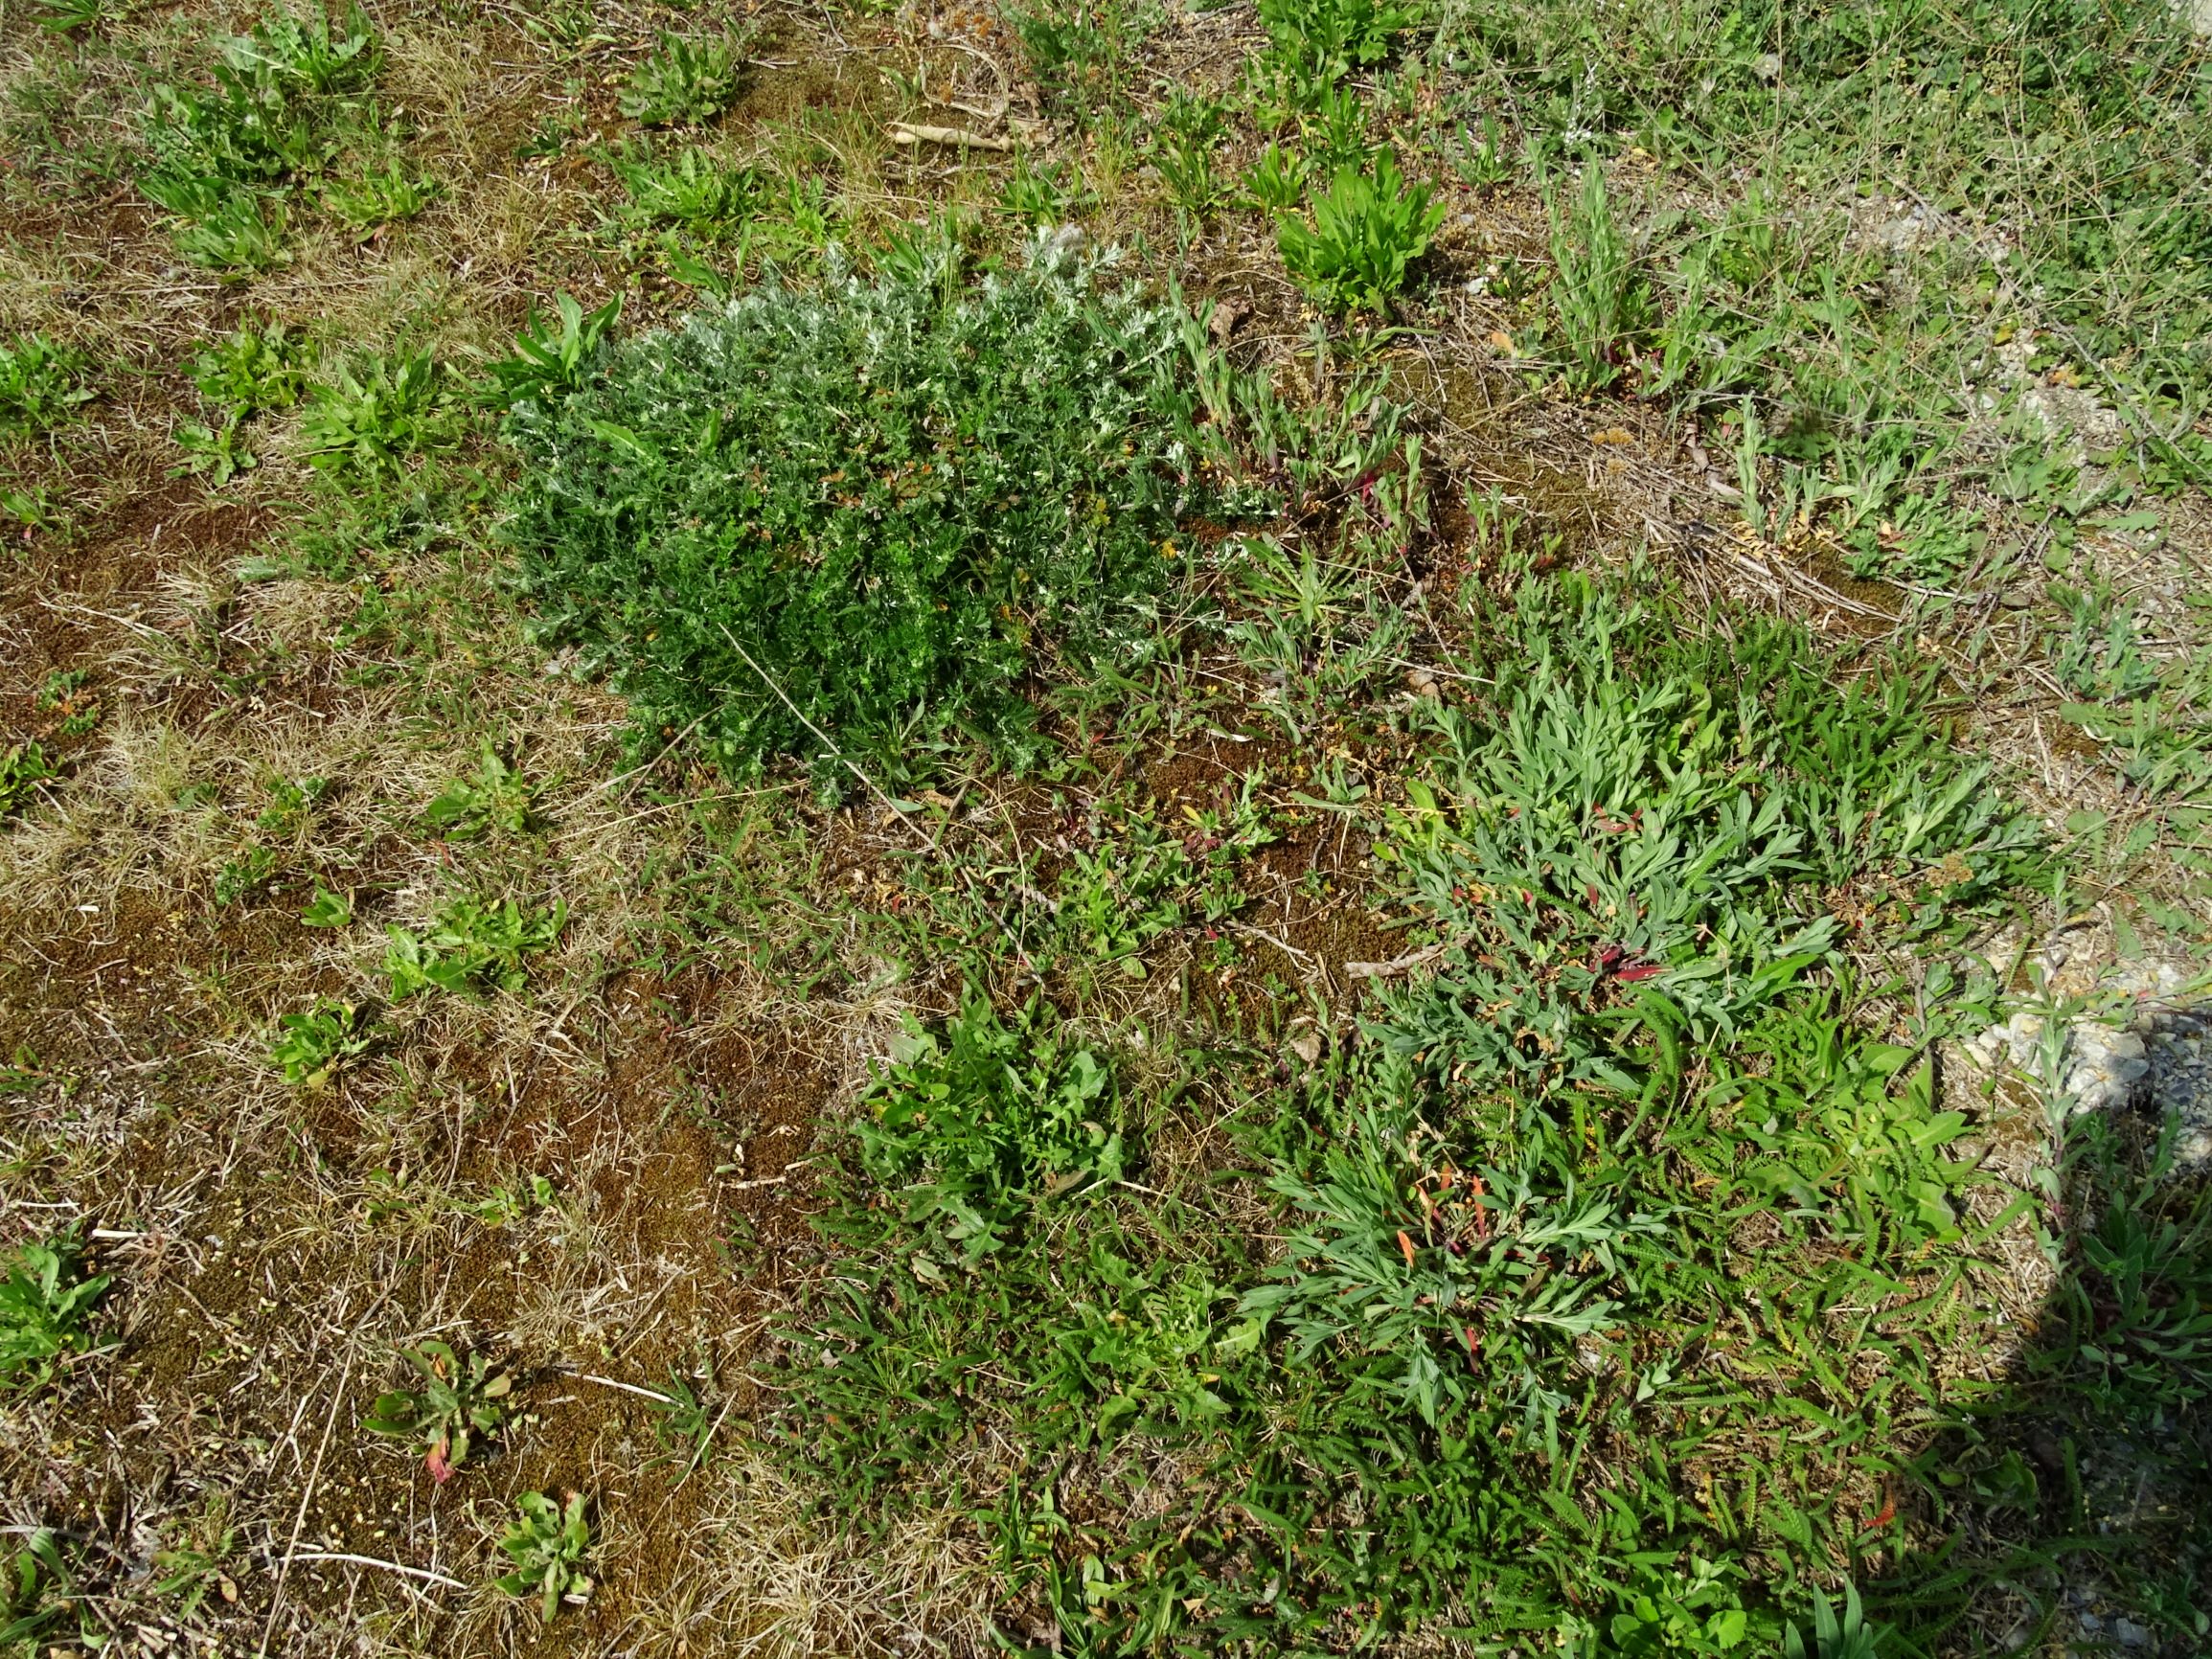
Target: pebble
point(2157, 1060)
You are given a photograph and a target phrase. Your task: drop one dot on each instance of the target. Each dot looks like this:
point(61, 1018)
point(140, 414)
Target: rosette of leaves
point(460, 1398)
point(849, 521)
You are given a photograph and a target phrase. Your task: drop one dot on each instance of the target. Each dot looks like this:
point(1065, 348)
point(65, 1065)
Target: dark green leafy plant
point(1182, 153)
point(498, 798)
point(310, 1047)
point(1454, 1274)
point(36, 1593)
point(23, 767)
point(1276, 183)
point(460, 1400)
point(1366, 234)
point(547, 1543)
point(385, 196)
point(1850, 1637)
point(65, 16)
point(375, 414)
point(197, 1557)
point(41, 385)
point(685, 1420)
point(470, 944)
point(220, 149)
point(255, 371)
point(690, 186)
point(63, 692)
point(979, 1128)
point(1616, 844)
point(305, 49)
point(686, 79)
point(549, 364)
point(1085, 56)
point(848, 522)
point(1321, 42)
point(228, 228)
point(1601, 303)
point(326, 909)
point(44, 1303)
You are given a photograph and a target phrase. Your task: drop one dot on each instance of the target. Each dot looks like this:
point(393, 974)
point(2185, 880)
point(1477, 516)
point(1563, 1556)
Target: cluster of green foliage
point(65, 694)
point(284, 819)
point(1638, 829)
point(460, 1400)
point(685, 80)
point(23, 767)
point(376, 414)
point(41, 385)
point(309, 1048)
point(472, 943)
point(975, 1132)
point(547, 1542)
point(1086, 56)
point(38, 1592)
point(498, 799)
point(847, 523)
point(1366, 232)
point(44, 1303)
point(1846, 341)
point(1315, 44)
point(1461, 1334)
point(223, 154)
point(254, 371)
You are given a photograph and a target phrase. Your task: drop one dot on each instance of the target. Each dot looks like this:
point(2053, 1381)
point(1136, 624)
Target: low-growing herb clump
point(547, 1543)
point(22, 769)
point(460, 1400)
point(309, 1048)
point(472, 943)
point(1368, 231)
point(1450, 1333)
point(847, 522)
point(41, 385)
point(45, 1301)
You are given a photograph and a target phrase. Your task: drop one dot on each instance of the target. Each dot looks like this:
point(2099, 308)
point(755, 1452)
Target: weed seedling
point(548, 364)
point(326, 909)
point(387, 196)
point(685, 80)
point(62, 692)
point(1276, 183)
point(498, 798)
point(44, 1303)
point(375, 414)
point(311, 1048)
point(1366, 233)
point(194, 1563)
point(1850, 1637)
point(22, 769)
point(547, 1543)
point(1599, 303)
point(241, 876)
point(838, 521)
point(686, 1422)
point(471, 943)
point(1321, 42)
point(256, 370)
point(980, 1127)
point(41, 385)
point(460, 1400)
point(37, 1591)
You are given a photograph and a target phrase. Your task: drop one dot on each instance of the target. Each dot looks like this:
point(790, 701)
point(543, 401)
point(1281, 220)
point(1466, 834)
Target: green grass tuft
point(849, 522)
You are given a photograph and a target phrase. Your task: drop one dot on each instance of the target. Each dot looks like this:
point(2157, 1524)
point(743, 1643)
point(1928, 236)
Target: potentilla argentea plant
point(845, 522)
